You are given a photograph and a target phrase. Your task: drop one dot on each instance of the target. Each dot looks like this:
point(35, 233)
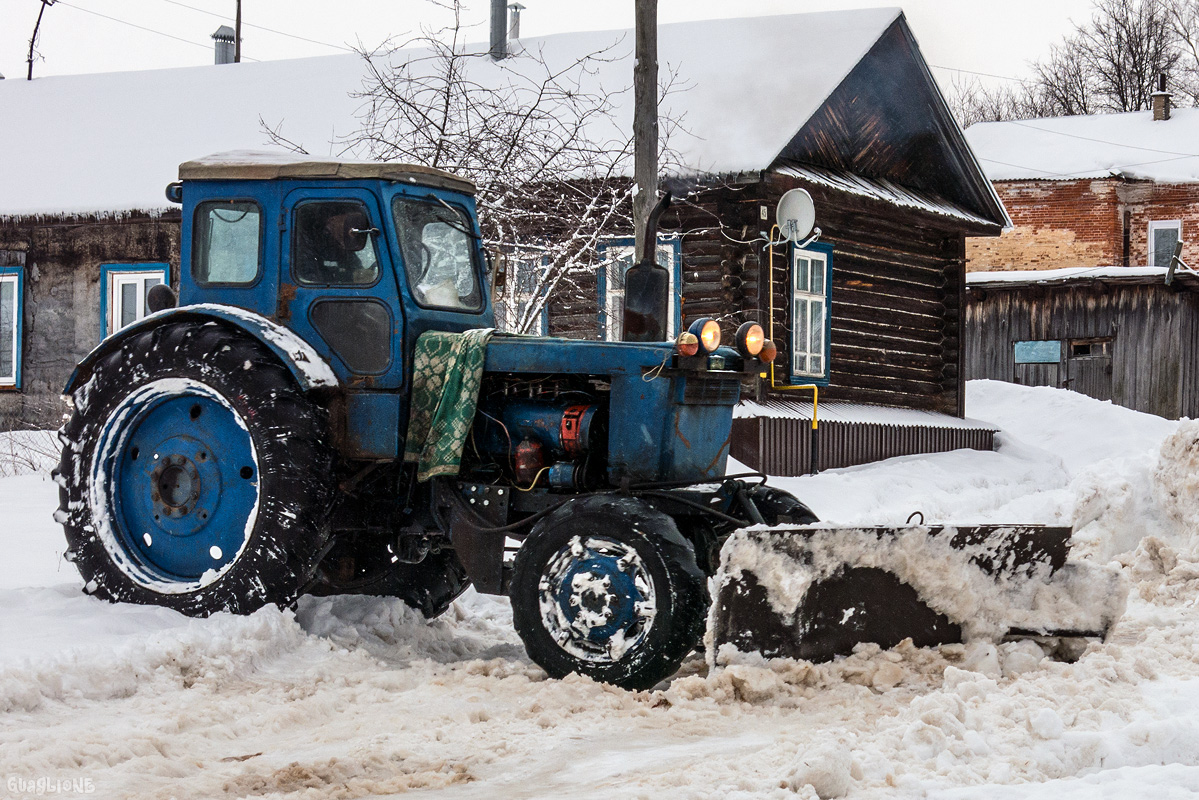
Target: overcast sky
point(990, 36)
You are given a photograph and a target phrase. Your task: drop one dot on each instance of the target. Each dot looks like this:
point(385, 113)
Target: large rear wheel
point(609, 588)
point(195, 474)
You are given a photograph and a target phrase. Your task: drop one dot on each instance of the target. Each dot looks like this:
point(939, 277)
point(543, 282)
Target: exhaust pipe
point(647, 287)
point(499, 29)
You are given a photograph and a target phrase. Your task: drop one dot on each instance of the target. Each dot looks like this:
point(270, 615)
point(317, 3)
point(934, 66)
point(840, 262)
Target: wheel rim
point(597, 599)
point(175, 484)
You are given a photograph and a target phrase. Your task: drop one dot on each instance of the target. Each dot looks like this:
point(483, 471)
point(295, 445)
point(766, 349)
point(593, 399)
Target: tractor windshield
point(439, 253)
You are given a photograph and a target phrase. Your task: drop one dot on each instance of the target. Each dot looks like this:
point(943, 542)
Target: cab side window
point(227, 243)
point(334, 244)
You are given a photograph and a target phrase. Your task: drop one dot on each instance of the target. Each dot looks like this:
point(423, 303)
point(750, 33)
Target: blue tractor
point(323, 411)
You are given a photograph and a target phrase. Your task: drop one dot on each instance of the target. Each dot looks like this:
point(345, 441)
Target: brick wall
point(1080, 223)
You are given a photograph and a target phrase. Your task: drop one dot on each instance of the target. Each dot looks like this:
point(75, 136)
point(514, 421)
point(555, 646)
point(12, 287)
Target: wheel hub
point(179, 473)
point(175, 485)
point(597, 599)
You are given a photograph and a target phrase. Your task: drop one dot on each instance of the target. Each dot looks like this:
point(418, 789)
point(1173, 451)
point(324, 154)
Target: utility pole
point(33, 39)
point(237, 36)
point(645, 117)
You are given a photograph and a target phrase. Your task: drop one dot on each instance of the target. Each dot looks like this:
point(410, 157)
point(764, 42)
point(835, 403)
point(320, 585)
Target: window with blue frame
point(616, 256)
point(123, 293)
point(811, 277)
point(11, 308)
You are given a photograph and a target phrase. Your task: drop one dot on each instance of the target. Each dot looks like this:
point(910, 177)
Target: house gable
point(888, 121)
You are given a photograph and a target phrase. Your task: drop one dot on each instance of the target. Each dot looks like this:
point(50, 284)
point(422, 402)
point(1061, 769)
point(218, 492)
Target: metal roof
point(264, 166)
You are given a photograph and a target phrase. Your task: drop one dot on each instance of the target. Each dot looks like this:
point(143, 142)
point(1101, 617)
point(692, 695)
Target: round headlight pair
point(752, 342)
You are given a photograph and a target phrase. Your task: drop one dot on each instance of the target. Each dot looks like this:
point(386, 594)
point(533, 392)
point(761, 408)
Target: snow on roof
point(881, 189)
point(265, 165)
point(111, 142)
point(1026, 277)
point(860, 413)
point(1096, 146)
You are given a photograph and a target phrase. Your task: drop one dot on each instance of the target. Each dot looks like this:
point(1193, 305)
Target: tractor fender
point(310, 370)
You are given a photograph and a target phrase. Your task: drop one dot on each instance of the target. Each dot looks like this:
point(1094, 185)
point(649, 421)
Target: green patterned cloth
point(447, 370)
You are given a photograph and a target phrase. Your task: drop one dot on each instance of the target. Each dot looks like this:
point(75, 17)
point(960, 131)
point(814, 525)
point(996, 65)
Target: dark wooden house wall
point(61, 314)
point(898, 282)
point(1154, 332)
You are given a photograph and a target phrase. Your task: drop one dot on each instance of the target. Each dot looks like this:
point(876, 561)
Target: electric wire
point(260, 27)
point(139, 27)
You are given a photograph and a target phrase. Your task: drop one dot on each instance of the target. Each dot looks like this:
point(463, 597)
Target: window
point(811, 274)
point(125, 286)
point(1163, 235)
point(616, 256)
point(526, 270)
point(227, 247)
point(437, 241)
point(11, 307)
point(1038, 352)
point(334, 244)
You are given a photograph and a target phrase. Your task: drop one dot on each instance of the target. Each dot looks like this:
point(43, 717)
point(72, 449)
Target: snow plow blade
point(812, 592)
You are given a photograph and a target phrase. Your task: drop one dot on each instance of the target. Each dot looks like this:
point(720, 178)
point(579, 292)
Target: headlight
point(707, 331)
point(750, 338)
point(687, 344)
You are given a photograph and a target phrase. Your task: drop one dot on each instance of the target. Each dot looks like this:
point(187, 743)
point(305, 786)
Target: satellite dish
point(796, 215)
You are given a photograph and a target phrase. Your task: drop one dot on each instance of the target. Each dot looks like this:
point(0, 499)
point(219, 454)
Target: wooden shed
point(1115, 333)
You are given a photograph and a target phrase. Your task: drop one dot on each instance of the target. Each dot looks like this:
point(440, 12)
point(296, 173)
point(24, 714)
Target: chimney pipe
point(514, 20)
point(499, 27)
point(225, 40)
point(1161, 99)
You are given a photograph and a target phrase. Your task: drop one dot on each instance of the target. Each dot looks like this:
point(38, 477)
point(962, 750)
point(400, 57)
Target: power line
point(1100, 141)
point(132, 24)
point(983, 74)
point(139, 27)
point(261, 27)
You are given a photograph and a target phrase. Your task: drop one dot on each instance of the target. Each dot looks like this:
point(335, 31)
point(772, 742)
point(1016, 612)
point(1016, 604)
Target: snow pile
point(788, 560)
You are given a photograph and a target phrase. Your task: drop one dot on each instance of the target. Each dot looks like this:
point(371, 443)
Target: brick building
point(1075, 294)
point(1091, 191)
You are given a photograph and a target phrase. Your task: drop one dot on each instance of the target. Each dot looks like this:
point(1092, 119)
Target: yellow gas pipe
point(789, 387)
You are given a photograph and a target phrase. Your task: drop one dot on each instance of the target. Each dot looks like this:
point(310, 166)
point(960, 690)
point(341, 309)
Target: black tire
point(604, 530)
point(103, 487)
point(781, 508)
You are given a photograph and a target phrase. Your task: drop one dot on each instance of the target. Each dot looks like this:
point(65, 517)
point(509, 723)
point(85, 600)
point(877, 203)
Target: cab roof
point(249, 165)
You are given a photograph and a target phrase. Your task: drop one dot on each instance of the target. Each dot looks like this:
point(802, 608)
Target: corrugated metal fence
point(782, 446)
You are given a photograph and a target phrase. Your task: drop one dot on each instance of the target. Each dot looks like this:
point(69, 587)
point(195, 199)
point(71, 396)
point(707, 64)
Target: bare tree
point(1109, 64)
point(1125, 46)
point(537, 135)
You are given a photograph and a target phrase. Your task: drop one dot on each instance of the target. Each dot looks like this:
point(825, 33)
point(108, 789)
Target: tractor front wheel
point(609, 588)
point(195, 474)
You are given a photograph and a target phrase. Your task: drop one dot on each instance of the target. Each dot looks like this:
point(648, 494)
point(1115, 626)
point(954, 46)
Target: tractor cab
point(358, 259)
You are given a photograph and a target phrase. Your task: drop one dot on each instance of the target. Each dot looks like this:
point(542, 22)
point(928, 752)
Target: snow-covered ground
point(359, 697)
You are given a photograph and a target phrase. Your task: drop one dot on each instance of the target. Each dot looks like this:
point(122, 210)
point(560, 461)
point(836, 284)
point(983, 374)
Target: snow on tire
point(195, 474)
point(609, 588)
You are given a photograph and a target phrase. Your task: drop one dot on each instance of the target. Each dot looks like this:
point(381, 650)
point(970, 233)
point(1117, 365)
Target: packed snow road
point(360, 697)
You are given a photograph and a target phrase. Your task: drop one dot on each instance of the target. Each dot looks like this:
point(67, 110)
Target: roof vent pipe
point(1161, 99)
point(499, 29)
point(514, 20)
point(225, 39)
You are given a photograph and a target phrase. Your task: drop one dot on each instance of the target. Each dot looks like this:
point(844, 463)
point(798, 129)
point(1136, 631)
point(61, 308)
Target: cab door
point(338, 291)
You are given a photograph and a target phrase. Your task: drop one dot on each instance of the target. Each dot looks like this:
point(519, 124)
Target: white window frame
point(1154, 226)
point(520, 263)
point(815, 342)
point(119, 277)
point(14, 279)
point(616, 252)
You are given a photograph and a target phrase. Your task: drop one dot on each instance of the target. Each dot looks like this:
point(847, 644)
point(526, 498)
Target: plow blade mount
point(813, 592)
